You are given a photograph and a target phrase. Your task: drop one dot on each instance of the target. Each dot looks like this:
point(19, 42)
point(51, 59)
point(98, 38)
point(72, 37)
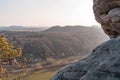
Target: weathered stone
point(107, 13)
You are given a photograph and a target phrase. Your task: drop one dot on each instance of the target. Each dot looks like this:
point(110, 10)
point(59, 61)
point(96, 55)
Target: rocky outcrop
point(107, 13)
point(102, 64)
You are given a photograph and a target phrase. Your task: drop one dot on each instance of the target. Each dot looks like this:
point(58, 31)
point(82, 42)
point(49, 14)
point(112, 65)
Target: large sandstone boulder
point(107, 13)
point(102, 64)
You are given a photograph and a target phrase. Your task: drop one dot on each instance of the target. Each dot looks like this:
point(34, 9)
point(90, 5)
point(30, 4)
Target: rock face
point(107, 13)
point(102, 64)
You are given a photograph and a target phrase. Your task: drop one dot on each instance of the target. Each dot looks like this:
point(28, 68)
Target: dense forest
point(56, 42)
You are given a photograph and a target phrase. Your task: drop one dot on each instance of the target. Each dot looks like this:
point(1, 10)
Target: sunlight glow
point(46, 12)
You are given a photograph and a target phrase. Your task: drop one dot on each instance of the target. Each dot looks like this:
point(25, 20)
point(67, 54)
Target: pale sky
point(46, 12)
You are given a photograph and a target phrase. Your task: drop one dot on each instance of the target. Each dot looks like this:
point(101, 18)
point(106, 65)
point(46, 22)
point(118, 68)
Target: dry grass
point(41, 74)
point(44, 74)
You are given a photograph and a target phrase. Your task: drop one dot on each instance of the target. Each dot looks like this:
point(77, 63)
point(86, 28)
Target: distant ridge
point(66, 28)
point(57, 42)
point(21, 28)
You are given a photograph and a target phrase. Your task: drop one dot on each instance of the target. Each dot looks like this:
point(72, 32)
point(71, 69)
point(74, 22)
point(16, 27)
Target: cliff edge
point(102, 64)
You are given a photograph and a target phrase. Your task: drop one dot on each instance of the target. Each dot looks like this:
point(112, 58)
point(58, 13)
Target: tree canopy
point(7, 51)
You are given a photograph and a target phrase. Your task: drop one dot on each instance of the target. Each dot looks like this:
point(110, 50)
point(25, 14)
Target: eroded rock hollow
point(107, 13)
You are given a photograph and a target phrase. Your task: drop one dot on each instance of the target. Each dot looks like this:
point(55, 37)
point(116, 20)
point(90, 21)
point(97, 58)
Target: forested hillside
point(56, 42)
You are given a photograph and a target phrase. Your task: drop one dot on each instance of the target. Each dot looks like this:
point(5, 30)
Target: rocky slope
point(102, 64)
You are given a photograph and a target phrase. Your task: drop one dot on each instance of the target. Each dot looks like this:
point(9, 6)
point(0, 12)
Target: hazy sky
point(46, 12)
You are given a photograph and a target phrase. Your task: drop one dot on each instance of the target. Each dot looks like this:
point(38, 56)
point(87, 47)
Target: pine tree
point(7, 51)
